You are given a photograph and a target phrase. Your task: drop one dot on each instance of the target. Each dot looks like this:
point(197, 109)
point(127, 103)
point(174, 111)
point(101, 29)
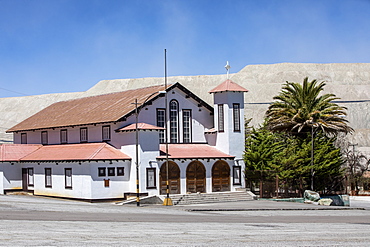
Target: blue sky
point(54, 46)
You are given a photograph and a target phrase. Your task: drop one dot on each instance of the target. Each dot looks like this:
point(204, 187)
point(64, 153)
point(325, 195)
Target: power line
point(335, 101)
point(14, 91)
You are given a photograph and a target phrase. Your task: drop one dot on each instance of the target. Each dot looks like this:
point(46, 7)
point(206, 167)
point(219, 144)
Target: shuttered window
point(221, 126)
point(68, 178)
point(236, 117)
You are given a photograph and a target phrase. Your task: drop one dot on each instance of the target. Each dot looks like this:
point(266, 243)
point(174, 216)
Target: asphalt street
point(39, 221)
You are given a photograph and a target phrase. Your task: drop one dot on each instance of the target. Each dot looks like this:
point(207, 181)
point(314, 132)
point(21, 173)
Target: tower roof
point(228, 86)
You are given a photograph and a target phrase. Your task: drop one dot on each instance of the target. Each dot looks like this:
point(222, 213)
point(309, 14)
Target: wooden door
point(196, 177)
point(24, 179)
point(173, 178)
point(220, 176)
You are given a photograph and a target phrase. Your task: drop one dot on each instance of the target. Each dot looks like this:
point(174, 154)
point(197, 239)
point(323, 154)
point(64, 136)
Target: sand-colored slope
point(350, 82)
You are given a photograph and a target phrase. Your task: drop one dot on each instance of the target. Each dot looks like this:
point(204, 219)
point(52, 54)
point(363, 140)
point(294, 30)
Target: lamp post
point(137, 111)
point(312, 153)
point(167, 201)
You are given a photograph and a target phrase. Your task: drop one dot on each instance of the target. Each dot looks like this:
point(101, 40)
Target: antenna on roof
point(165, 69)
point(227, 67)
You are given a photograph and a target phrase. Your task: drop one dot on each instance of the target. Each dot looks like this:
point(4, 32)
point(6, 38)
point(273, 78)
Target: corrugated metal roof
point(68, 152)
point(95, 109)
point(228, 86)
point(14, 152)
point(85, 151)
point(105, 108)
point(182, 151)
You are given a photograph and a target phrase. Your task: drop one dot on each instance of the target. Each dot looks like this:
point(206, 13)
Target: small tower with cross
point(228, 100)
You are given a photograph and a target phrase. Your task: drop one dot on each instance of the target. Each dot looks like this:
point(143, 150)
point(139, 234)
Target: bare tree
point(355, 162)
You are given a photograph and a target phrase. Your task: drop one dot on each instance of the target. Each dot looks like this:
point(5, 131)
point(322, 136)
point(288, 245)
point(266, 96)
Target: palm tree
point(300, 108)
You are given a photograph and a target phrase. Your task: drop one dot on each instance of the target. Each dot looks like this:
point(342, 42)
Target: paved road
point(28, 220)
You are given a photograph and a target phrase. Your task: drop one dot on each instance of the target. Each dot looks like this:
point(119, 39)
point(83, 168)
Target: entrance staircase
point(202, 198)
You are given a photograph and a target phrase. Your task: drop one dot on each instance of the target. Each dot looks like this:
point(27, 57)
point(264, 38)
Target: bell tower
point(228, 100)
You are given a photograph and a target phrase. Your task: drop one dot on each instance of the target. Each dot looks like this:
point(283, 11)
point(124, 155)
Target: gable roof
point(183, 151)
point(68, 152)
point(228, 86)
point(100, 109)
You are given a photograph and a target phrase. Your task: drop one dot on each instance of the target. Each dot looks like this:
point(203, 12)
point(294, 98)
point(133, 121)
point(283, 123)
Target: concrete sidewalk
point(266, 205)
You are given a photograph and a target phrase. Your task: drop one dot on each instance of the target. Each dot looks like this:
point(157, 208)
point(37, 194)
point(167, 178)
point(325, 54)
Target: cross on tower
point(227, 67)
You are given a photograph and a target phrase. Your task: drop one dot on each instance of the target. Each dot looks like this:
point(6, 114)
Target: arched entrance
point(196, 177)
point(173, 178)
point(220, 176)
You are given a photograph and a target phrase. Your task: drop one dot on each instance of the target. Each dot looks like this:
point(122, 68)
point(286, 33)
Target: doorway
point(220, 176)
point(173, 178)
point(196, 177)
point(24, 179)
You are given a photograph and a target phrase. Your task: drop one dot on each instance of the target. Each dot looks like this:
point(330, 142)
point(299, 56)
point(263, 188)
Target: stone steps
point(203, 198)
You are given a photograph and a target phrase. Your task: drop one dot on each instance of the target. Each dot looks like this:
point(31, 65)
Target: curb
point(272, 209)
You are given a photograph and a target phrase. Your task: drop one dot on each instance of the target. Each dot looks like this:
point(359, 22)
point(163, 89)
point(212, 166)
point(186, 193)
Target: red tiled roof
point(181, 151)
point(140, 126)
point(95, 109)
point(86, 151)
point(14, 152)
point(75, 152)
point(228, 86)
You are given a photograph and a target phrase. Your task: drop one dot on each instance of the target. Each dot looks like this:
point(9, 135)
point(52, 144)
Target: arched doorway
point(196, 177)
point(173, 178)
point(220, 176)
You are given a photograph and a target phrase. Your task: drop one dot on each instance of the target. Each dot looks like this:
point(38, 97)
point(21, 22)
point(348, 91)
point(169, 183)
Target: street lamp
point(312, 152)
point(137, 111)
point(167, 201)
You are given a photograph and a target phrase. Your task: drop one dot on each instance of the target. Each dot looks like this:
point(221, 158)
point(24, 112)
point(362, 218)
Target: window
point(151, 182)
point(120, 171)
point(24, 138)
point(68, 178)
point(30, 176)
point(111, 171)
point(173, 121)
point(63, 136)
point(44, 137)
point(106, 133)
point(102, 171)
point(186, 118)
point(236, 117)
point(161, 120)
point(221, 118)
point(237, 175)
point(48, 177)
point(83, 134)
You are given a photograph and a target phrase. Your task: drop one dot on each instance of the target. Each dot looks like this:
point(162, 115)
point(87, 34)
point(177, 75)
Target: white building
point(86, 148)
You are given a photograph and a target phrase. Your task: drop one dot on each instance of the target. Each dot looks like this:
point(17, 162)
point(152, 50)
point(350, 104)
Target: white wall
point(148, 150)
point(1, 180)
point(86, 184)
point(118, 185)
point(12, 176)
point(230, 142)
point(81, 186)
